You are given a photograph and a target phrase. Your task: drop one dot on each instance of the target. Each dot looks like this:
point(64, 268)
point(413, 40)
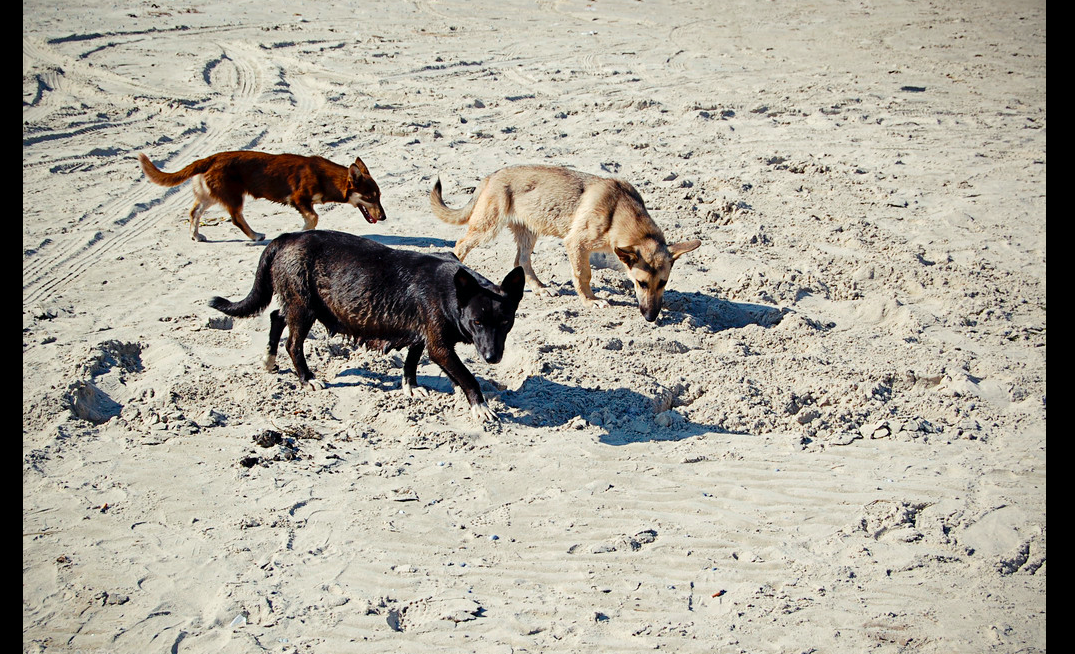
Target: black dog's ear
point(513, 284)
point(466, 287)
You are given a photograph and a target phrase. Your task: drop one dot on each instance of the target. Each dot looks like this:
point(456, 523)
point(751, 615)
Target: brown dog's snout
point(373, 214)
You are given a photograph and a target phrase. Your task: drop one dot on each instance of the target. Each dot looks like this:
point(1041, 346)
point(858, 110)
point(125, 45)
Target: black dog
point(384, 298)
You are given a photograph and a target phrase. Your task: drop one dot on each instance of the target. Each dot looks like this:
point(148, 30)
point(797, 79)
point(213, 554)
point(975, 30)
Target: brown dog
point(590, 213)
point(292, 179)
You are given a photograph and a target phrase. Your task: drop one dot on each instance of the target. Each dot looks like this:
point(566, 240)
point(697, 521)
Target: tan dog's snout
point(649, 270)
point(649, 304)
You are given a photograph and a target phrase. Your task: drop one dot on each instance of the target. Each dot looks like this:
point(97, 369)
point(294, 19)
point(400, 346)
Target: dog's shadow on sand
point(383, 239)
point(705, 310)
point(716, 314)
point(623, 415)
point(410, 241)
point(372, 380)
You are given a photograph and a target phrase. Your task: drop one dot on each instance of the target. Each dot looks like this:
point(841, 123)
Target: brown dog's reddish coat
point(292, 179)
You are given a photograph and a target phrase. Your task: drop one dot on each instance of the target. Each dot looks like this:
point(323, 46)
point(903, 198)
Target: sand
point(832, 440)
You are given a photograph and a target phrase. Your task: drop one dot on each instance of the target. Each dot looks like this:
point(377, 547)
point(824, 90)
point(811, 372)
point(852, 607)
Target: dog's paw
point(314, 385)
point(412, 391)
point(258, 236)
point(198, 237)
point(270, 363)
point(482, 413)
point(595, 303)
point(545, 291)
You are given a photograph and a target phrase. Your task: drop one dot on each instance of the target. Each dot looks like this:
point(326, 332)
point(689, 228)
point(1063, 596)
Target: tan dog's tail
point(446, 213)
point(162, 178)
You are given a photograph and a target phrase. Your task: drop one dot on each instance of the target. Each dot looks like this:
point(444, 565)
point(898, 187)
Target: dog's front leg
point(448, 360)
point(309, 216)
point(410, 385)
point(579, 257)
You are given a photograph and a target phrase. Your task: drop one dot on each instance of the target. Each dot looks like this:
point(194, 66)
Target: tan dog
point(292, 179)
point(590, 213)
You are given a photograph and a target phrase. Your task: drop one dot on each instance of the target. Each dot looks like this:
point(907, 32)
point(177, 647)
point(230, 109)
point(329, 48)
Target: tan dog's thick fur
point(590, 214)
point(291, 179)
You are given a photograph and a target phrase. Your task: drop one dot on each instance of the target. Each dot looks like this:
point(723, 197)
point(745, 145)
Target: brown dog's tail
point(260, 295)
point(158, 176)
point(446, 213)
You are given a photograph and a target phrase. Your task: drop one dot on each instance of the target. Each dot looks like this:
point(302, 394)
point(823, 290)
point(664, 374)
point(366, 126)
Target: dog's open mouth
point(366, 214)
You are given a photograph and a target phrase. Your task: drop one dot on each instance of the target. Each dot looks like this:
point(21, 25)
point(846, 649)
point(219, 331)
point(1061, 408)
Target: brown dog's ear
point(683, 247)
point(466, 287)
point(513, 284)
point(360, 167)
point(629, 256)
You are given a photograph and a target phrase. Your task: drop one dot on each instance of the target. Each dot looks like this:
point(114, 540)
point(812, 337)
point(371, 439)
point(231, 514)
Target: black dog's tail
point(260, 295)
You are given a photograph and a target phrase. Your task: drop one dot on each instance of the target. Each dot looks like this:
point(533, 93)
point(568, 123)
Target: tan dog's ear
point(629, 256)
point(678, 249)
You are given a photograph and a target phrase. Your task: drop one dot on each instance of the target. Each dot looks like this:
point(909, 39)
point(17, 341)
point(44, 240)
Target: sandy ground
point(832, 440)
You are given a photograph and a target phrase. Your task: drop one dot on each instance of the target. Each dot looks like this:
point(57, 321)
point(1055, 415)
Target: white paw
point(200, 238)
point(315, 385)
point(258, 236)
point(412, 391)
point(595, 303)
point(482, 413)
point(545, 291)
point(270, 363)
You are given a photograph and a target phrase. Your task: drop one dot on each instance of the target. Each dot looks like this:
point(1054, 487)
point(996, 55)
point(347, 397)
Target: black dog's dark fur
point(384, 298)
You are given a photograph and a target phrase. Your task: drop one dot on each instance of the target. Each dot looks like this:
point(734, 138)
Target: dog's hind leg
point(525, 239)
point(485, 222)
point(196, 221)
point(232, 198)
point(276, 328)
point(410, 385)
point(202, 201)
point(298, 326)
point(472, 239)
point(240, 222)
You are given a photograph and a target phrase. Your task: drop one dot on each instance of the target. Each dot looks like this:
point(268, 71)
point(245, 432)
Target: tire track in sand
point(142, 204)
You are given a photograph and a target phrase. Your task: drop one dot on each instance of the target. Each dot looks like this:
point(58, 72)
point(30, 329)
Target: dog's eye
point(643, 284)
point(661, 283)
point(476, 322)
